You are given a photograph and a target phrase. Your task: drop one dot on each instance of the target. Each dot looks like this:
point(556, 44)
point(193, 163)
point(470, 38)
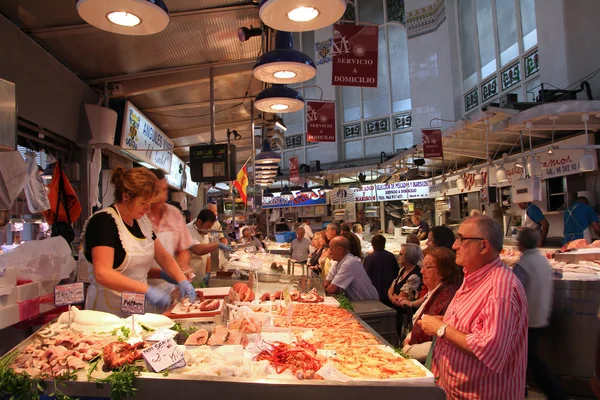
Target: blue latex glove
point(158, 298)
point(166, 277)
point(187, 290)
point(206, 278)
point(226, 248)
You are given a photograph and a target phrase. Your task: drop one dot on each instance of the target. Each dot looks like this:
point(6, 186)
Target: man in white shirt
point(300, 248)
point(348, 275)
point(535, 273)
point(217, 257)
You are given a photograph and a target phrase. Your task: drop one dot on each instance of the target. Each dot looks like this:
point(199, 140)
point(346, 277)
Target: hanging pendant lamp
point(266, 156)
point(284, 65)
point(125, 17)
point(305, 188)
point(301, 15)
point(326, 186)
point(279, 99)
point(267, 193)
point(286, 191)
point(534, 167)
point(267, 167)
point(460, 184)
point(478, 179)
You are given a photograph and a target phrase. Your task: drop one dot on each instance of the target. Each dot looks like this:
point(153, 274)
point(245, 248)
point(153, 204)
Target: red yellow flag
point(241, 183)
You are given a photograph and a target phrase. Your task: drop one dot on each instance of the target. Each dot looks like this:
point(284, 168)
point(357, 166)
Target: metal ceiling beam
point(463, 154)
point(517, 133)
point(176, 107)
point(480, 152)
point(179, 16)
point(481, 141)
point(205, 129)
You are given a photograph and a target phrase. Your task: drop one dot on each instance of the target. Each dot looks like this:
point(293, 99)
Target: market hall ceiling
point(166, 75)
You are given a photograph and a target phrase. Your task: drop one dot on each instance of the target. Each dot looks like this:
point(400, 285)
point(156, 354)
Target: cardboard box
point(27, 291)
point(9, 316)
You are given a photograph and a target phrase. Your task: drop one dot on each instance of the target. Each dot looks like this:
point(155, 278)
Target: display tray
point(176, 312)
point(574, 256)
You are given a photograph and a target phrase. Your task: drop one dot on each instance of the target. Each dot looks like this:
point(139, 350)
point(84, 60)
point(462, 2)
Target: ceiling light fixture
point(478, 179)
point(125, 17)
point(246, 33)
point(501, 172)
point(284, 65)
point(267, 193)
point(326, 186)
point(305, 188)
point(279, 98)
point(279, 124)
point(286, 191)
point(301, 15)
point(266, 156)
point(267, 167)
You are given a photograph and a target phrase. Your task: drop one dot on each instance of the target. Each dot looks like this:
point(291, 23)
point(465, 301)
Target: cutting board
point(215, 292)
point(174, 313)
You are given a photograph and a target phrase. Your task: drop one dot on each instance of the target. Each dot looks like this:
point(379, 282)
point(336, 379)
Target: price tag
point(162, 334)
point(162, 355)
point(65, 295)
point(133, 303)
point(330, 373)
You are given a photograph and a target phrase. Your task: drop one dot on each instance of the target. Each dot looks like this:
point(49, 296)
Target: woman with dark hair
point(440, 236)
point(442, 277)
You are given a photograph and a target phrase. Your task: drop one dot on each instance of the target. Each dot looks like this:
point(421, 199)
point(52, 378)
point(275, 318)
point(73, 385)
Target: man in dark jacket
point(382, 268)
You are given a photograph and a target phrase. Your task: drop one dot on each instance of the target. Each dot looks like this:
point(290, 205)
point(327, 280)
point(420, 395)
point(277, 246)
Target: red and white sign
point(432, 143)
point(469, 177)
point(294, 170)
point(355, 54)
point(320, 117)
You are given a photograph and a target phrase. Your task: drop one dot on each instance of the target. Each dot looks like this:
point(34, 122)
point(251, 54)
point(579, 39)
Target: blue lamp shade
point(125, 17)
point(300, 15)
point(284, 64)
point(266, 156)
point(279, 99)
point(267, 193)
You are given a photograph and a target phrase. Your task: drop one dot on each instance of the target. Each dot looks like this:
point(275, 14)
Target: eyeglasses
point(460, 238)
point(428, 266)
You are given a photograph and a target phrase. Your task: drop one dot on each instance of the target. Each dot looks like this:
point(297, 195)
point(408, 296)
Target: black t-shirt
point(102, 231)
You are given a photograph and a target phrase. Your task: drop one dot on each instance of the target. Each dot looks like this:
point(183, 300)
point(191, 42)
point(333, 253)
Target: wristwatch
point(442, 330)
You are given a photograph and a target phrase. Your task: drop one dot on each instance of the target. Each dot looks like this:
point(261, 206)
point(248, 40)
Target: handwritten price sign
point(133, 303)
point(65, 295)
point(162, 355)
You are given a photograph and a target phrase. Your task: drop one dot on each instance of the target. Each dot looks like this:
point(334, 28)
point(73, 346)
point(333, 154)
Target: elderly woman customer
point(406, 286)
point(442, 277)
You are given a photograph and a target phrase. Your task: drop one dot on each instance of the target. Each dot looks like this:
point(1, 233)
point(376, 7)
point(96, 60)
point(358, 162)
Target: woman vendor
point(120, 246)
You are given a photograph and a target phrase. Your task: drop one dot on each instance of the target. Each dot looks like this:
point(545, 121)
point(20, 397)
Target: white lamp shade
point(478, 180)
point(587, 163)
point(301, 15)
point(460, 184)
point(279, 105)
point(534, 167)
point(501, 175)
point(125, 17)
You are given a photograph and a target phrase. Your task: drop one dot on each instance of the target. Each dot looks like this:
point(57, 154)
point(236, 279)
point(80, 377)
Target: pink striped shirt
point(491, 309)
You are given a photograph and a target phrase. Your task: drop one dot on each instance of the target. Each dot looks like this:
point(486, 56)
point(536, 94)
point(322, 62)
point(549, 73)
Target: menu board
point(175, 177)
point(190, 187)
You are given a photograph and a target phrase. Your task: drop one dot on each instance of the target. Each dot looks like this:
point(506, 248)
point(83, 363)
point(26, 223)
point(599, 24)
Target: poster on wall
point(323, 52)
point(355, 55)
point(320, 117)
point(294, 170)
point(432, 143)
point(297, 199)
point(144, 140)
point(418, 189)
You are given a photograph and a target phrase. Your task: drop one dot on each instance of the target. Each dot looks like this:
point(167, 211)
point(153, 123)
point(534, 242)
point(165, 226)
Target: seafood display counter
point(268, 347)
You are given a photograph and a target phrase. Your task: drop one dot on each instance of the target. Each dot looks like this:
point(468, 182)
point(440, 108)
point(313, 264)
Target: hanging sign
point(469, 177)
point(175, 177)
point(294, 170)
point(320, 116)
point(346, 195)
point(355, 55)
point(144, 140)
point(432, 143)
point(402, 190)
point(189, 186)
point(559, 163)
point(297, 199)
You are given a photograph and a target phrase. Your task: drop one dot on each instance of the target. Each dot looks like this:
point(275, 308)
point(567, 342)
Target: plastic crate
point(285, 237)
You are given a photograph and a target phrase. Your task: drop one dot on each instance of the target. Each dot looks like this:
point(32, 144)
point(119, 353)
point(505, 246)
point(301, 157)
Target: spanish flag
point(241, 183)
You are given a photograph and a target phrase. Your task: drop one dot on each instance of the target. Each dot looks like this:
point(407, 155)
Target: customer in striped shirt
point(481, 350)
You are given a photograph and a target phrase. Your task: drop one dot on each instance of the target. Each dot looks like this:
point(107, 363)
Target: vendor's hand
point(187, 290)
point(166, 277)
point(405, 303)
point(406, 342)
point(430, 324)
point(226, 248)
point(158, 298)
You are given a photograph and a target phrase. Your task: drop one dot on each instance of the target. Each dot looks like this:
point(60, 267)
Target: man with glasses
point(481, 350)
point(348, 275)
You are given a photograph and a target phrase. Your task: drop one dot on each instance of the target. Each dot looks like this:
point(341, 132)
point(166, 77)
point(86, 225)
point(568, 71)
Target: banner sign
point(434, 189)
point(323, 52)
point(346, 195)
point(175, 177)
point(189, 186)
point(401, 190)
point(355, 55)
point(320, 117)
point(297, 199)
point(144, 140)
point(432, 143)
point(559, 163)
point(294, 171)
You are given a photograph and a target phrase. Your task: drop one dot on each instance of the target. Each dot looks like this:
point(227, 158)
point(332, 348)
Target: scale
point(213, 163)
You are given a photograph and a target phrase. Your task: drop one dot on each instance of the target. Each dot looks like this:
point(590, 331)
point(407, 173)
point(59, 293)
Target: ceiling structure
point(166, 75)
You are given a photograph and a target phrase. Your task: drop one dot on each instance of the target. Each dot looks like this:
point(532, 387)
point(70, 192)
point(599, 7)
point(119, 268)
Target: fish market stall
point(298, 346)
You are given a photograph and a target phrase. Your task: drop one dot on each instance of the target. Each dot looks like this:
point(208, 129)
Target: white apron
point(167, 239)
point(139, 256)
point(528, 222)
point(587, 233)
